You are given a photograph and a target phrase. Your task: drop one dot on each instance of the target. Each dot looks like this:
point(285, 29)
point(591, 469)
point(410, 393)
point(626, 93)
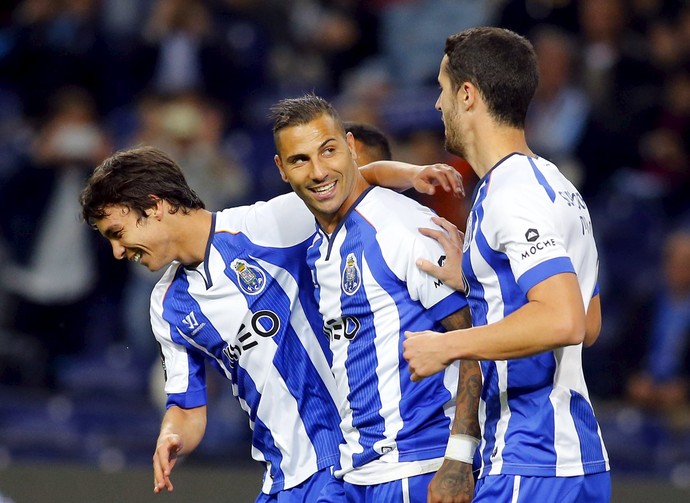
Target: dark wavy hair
point(130, 178)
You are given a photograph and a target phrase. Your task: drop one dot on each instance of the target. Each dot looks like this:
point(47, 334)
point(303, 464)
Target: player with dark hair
point(371, 144)
point(237, 295)
point(370, 291)
point(529, 267)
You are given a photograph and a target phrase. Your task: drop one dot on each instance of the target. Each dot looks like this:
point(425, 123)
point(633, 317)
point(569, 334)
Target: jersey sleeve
point(527, 234)
point(409, 246)
point(185, 373)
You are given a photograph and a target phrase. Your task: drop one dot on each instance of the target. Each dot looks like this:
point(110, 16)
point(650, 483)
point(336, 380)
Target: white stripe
point(406, 490)
point(566, 441)
point(516, 489)
point(502, 424)
point(386, 321)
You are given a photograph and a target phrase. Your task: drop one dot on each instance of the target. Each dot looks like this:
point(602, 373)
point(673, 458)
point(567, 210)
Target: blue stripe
point(586, 427)
point(364, 397)
point(493, 409)
point(543, 271)
point(425, 426)
point(262, 434)
point(542, 181)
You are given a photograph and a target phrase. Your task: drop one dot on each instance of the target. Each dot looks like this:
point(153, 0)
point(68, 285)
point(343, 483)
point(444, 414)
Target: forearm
point(188, 424)
point(593, 323)
point(394, 175)
point(466, 421)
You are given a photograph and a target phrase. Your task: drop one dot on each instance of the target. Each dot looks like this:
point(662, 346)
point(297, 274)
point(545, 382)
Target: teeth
point(137, 257)
point(325, 188)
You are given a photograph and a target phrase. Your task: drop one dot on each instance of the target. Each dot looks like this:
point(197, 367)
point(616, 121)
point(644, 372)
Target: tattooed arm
point(454, 482)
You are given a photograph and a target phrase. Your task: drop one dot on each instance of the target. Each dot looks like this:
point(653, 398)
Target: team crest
point(352, 277)
point(250, 279)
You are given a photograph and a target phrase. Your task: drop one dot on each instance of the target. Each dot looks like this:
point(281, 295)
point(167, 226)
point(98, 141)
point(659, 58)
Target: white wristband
point(461, 448)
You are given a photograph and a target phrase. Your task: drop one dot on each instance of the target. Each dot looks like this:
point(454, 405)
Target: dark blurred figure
point(523, 16)
point(371, 143)
point(57, 296)
point(560, 109)
point(623, 88)
point(186, 46)
point(656, 340)
point(328, 38)
point(50, 45)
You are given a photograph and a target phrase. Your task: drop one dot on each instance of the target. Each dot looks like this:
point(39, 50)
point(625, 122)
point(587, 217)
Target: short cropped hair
point(291, 112)
point(372, 137)
point(501, 64)
point(129, 178)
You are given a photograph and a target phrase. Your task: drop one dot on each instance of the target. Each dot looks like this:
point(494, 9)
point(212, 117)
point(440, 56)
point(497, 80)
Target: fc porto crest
point(251, 279)
point(352, 276)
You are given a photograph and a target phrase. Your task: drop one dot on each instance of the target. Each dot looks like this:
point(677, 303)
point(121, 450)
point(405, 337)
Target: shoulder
point(281, 221)
point(161, 288)
point(385, 208)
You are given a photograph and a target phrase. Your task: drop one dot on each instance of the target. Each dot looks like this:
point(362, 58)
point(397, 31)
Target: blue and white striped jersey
point(370, 291)
point(528, 223)
point(249, 310)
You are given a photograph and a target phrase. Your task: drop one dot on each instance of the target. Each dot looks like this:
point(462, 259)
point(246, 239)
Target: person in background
point(529, 267)
point(371, 144)
point(236, 296)
point(660, 326)
point(369, 291)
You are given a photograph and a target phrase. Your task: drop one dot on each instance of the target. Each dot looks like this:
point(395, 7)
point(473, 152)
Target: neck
point(493, 143)
point(192, 236)
point(329, 222)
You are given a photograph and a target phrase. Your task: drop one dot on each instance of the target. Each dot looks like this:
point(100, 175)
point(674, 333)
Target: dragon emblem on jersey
point(352, 277)
point(250, 279)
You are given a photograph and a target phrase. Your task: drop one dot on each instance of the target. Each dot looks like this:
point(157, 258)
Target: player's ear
point(350, 138)
point(156, 211)
point(467, 94)
point(279, 163)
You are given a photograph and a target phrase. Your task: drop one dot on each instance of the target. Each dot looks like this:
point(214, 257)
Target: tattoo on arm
point(467, 401)
point(458, 320)
point(469, 382)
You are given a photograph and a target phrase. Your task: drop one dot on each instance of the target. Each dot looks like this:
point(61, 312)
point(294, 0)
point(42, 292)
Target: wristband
point(461, 448)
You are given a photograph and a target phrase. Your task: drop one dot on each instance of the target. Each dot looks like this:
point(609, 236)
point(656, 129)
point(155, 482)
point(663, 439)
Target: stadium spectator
point(656, 338)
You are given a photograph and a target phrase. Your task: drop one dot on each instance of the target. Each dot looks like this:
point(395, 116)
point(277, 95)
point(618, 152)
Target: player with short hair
point(529, 268)
point(237, 295)
point(371, 144)
point(369, 292)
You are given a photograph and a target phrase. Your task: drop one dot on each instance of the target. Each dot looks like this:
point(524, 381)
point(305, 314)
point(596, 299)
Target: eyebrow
point(111, 231)
point(296, 157)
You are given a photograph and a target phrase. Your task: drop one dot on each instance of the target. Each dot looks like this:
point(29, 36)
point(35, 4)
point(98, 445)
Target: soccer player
point(370, 142)
point(529, 269)
point(369, 292)
point(237, 295)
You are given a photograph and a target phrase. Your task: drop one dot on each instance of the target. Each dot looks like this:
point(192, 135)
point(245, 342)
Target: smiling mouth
point(323, 188)
point(136, 257)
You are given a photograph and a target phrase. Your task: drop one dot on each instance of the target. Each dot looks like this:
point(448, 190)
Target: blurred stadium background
point(80, 386)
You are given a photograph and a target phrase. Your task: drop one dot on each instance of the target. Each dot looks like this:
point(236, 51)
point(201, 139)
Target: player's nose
point(119, 251)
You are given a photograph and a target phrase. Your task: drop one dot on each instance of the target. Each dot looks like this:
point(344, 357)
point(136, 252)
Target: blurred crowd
point(81, 78)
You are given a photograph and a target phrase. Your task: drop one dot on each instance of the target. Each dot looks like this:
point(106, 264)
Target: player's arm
point(401, 176)
point(454, 481)
point(181, 431)
point(553, 317)
point(593, 321)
